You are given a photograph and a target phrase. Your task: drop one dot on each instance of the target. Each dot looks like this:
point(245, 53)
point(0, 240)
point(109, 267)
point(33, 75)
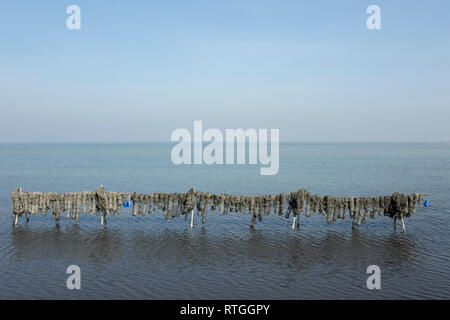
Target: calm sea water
point(151, 258)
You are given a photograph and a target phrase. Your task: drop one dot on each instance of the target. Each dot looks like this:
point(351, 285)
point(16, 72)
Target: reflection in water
point(168, 260)
point(100, 246)
point(334, 250)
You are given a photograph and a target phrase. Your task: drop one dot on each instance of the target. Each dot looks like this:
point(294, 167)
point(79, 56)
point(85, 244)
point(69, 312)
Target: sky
point(138, 70)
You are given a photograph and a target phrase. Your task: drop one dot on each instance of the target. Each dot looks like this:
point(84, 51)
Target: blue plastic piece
point(426, 203)
point(126, 204)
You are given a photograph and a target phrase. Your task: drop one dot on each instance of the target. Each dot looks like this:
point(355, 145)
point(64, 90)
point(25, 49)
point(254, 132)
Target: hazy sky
point(137, 70)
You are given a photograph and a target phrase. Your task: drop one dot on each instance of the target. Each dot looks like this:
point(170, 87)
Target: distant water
point(151, 258)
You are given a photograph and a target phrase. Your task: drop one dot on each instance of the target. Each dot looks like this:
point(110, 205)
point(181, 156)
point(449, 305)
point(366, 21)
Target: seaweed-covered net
point(105, 203)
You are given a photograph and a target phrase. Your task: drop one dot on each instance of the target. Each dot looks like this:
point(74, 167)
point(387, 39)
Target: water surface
point(151, 258)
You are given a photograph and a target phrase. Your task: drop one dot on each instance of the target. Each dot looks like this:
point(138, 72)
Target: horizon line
point(174, 142)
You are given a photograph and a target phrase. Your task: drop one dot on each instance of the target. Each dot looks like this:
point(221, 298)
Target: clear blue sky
point(137, 70)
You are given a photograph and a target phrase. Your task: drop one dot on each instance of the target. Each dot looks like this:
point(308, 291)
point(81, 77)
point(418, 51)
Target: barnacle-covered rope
point(104, 203)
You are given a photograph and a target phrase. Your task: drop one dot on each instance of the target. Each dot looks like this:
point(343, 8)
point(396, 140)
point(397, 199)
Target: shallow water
point(151, 258)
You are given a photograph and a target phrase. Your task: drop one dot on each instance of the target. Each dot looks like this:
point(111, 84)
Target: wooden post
point(16, 216)
point(293, 223)
point(102, 218)
point(395, 223)
point(403, 225)
point(192, 219)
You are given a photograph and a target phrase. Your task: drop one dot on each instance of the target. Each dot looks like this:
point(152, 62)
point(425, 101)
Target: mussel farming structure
point(104, 203)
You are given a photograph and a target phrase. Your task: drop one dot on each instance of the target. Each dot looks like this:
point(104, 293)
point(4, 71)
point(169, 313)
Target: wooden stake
point(293, 223)
point(102, 216)
point(16, 216)
point(395, 223)
point(192, 219)
point(403, 225)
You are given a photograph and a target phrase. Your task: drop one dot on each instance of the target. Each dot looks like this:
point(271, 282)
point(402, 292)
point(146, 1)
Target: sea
point(150, 257)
